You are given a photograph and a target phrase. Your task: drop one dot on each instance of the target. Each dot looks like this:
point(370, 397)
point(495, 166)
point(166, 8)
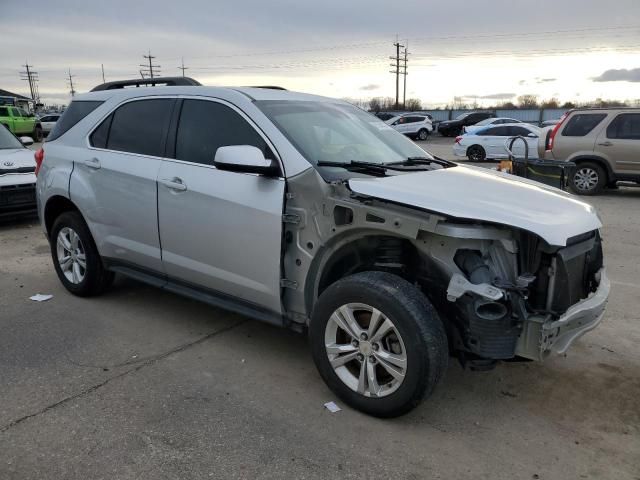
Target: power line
point(148, 69)
point(32, 78)
point(397, 69)
point(405, 73)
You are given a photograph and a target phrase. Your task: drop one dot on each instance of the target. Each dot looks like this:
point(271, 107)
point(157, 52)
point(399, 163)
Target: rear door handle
point(605, 144)
point(174, 184)
point(93, 163)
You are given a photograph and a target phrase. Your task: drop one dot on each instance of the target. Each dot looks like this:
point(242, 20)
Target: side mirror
point(244, 159)
point(26, 141)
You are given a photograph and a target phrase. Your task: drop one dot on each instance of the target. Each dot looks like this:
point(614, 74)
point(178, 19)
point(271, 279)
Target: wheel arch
point(595, 159)
point(56, 206)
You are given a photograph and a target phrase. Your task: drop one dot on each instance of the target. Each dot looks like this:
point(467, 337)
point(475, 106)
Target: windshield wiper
point(411, 161)
point(375, 168)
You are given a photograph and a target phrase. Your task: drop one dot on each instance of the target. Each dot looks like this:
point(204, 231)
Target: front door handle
point(93, 163)
point(605, 144)
point(174, 183)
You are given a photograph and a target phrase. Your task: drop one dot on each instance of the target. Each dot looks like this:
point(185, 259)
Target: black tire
point(423, 134)
point(422, 334)
point(37, 134)
point(96, 278)
point(583, 171)
point(475, 153)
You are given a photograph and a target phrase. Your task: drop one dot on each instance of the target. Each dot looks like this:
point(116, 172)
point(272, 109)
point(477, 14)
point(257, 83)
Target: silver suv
point(309, 213)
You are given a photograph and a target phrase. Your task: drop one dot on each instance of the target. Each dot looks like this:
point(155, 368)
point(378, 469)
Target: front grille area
point(17, 198)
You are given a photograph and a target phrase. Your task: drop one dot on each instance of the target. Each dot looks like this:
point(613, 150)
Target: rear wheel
point(588, 178)
point(37, 134)
point(75, 257)
point(475, 153)
point(378, 343)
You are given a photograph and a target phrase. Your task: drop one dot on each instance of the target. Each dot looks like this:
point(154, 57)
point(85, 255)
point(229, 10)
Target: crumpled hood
point(481, 194)
point(16, 158)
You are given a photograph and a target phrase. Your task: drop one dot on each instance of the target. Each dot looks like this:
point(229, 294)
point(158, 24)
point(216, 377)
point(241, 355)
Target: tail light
point(39, 157)
point(552, 135)
point(458, 138)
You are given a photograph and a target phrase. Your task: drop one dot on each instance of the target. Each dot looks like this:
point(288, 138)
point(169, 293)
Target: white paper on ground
point(332, 407)
point(39, 297)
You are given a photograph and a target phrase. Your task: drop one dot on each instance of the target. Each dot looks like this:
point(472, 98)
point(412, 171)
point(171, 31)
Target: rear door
point(117, 181)
point(220, 230)
point(620, 143)
point(493, 141)
point(532, 142)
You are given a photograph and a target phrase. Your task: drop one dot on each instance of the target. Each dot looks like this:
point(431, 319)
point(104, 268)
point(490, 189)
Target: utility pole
point(182, 67)
point(148, 69)
point(397, 71)
point(71, 89)
point(32, 77)
point(102, 66)
point(405, 73)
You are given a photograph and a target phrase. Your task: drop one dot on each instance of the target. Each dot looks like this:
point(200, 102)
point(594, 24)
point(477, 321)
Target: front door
point(220, 230)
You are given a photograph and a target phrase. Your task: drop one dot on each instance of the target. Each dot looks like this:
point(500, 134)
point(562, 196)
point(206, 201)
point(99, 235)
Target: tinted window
point(520, 131)
point(626, 125)
point(76, 111)
point(140, 127)
point(496, 131)
point(99, 136)
point(4, 112)
point(581, 124)
point(206, 126)
point(15, 112)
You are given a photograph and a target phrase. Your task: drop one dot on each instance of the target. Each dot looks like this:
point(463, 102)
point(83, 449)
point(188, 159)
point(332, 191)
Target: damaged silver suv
point(309, 213)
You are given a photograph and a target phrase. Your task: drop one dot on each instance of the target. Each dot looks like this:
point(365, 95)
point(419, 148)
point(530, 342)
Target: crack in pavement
point(147, 362)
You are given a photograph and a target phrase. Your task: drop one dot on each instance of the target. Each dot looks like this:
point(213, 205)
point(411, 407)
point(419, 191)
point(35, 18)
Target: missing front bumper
point(540, 337)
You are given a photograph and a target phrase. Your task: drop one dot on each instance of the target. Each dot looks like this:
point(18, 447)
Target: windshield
point(334, 132)
point(7, 140)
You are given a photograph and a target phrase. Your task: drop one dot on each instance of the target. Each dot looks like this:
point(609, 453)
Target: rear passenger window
point(497, 132)
point(140, 127)
point(581, 124)
point(99, 136)
point(206, 126)
point(625, 126)
point(75, 112)
point(520, 131)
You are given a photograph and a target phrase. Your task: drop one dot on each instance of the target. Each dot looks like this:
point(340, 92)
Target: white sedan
point(17, 177)
point(490, 142)
point(489, 121)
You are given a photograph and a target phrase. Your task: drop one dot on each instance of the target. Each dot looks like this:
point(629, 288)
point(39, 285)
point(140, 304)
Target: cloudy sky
point(483, 50)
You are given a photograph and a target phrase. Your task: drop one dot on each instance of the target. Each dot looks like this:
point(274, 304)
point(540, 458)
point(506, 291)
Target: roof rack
point(270, 87)
point(140, 82)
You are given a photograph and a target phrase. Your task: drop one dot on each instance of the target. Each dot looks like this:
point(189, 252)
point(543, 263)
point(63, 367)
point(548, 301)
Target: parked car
point(413, 125)
point(20, 122)
point(307, 213)
point(48, 122)
point(384, 116)
point(489, 142)
point(451, 128)
point(549, 123)
point(489, 121)
point(604, 143)
point(17, 178)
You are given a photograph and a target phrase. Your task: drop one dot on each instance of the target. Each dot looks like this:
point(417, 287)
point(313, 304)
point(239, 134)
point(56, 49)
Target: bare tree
point(375, 105)
point(528, 101)
point(413, 104)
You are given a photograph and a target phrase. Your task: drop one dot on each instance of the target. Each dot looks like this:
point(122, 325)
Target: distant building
point(10, 98)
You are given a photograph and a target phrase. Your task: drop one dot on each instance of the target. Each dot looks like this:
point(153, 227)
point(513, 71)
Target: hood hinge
point(286, 283)
point(291, 218)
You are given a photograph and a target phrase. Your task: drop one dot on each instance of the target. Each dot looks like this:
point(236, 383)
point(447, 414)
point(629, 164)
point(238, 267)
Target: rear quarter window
point(76, 111)
point(581, 124)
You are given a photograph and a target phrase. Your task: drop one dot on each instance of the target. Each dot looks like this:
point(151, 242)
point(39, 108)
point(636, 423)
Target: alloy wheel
point(585, 178)
point(71, 255)
point(365, 350)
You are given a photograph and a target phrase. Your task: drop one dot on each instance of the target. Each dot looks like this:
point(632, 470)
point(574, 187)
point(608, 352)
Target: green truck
point(20, 122)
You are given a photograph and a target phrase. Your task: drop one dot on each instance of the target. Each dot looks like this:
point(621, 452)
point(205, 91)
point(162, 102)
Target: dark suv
point(451, 128)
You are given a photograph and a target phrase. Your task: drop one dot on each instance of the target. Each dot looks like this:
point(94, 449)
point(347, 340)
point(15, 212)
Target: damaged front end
point(520, 297)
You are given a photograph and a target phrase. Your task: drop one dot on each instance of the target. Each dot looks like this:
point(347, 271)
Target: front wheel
point(37, 134)
point(423, 134)
point(378, 343)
